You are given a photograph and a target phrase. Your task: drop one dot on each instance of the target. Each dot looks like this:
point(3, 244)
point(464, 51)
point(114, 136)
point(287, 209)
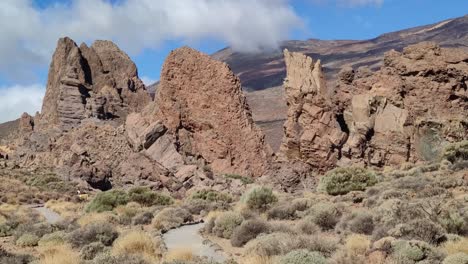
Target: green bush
point(211, 196)
point(27, 240)
point(55, 238)
point(344, 180)
point(456, 152)
point(98, 232)
point(107, 201)
point(245, 180)
point(147, 197)
point(247, 231)
point(288, 210)
point(8, 228)
point(225, 224)
point(424, 230)
point(259, 198)
point(414, 251)
point(459, 258)
point(303, 257)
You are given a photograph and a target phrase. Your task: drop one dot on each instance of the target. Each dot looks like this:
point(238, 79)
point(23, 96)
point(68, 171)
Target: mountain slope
point(265, 70)
point(262, 74)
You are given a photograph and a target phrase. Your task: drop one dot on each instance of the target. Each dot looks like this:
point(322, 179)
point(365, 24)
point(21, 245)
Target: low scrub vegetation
point(345, 180)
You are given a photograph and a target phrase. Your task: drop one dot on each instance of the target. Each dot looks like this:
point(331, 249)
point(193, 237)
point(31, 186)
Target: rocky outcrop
point(200, 101)
point(99, 82)
point(311, 132)
point(406, 111)
point(26, 124)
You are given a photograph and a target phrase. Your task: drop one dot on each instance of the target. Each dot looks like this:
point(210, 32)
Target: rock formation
point(406, 111)
point(311, 132)
point(26, 124)
point(99, 82)
point(200, 101)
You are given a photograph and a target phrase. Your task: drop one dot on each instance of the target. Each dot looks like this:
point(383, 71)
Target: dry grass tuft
point(91, 218)
point(180, 254)
point(357, 244)
point(458, 246)
point(61, 254)
point(138, 243)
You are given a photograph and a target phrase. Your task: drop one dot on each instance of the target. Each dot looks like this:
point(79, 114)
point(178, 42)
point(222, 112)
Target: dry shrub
point(361, 222)
point(138, 243)
point(98, 232)
point(459, 258)
point(307, 226)
point(169, 218)
point(456, 246)
point(325, 215)
point(126, 212)
point(303, 257)
point(276, 244)
point(90, 251)
point(92, 218)
point(62, 254)
point(27, 240)
point(179, 254)
point(354, 250)
point(53, 239)
point(247, 231)
point(225, 224)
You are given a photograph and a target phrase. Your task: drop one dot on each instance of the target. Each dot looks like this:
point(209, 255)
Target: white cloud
point(147, 80)
point(28, 35)
point(15, 100)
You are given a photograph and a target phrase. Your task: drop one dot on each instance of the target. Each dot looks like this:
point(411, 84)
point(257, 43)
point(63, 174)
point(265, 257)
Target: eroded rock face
point(201, 103)
point(26, 124)
point(407, 110)
point(311, 132)
point(99, 82)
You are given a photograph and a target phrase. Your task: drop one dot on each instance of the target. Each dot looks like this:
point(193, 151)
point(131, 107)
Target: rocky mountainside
point(265, 70)
point(98, 126)
point(262, 74)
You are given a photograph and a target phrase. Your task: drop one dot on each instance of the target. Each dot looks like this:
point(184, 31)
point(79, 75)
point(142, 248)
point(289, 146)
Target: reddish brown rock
point(406, 111)
point(311, 132)
point(90, 82)
point(201, 103)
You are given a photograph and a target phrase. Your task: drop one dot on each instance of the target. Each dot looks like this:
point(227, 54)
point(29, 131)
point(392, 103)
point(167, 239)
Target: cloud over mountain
point(29, 33)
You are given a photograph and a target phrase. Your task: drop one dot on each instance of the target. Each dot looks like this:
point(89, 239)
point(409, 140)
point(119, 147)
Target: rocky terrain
point(262, 74)
point(371, 166)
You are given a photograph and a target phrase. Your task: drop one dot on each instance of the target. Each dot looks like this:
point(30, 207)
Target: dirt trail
point(50, 216)
point(188, 237)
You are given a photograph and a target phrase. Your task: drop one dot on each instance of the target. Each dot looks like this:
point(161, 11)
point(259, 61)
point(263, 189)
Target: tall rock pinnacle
point(201, 103)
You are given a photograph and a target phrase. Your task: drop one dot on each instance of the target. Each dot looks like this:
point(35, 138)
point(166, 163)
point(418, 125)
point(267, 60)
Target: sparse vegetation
point(107, 201)
point(344, 180)
point(147, 197)
point(259, 198)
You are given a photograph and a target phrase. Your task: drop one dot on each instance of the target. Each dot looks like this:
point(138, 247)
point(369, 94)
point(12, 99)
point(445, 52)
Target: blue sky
point(149, 29)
